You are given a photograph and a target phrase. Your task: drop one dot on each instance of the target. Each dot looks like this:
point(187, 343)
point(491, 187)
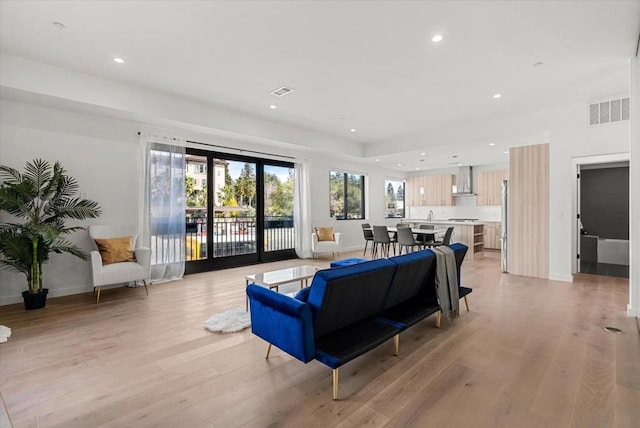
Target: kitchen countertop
point(444, 222)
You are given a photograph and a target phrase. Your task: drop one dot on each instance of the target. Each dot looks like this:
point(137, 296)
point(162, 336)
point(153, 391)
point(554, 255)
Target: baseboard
point(633, 312)
point(53, 292)
point(10, 300)
point(560, 277)
point(348, 249)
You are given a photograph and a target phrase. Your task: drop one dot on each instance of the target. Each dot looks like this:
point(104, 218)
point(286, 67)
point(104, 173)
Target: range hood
point(463, 180)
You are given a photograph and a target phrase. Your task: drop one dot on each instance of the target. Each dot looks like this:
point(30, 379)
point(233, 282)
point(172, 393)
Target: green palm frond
point(10, 175)
point(39, 173)
point(64, 246)
point(77, 208)
point(44, 197)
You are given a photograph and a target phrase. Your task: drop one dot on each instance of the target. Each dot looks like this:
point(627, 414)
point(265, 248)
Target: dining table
point(429, 234)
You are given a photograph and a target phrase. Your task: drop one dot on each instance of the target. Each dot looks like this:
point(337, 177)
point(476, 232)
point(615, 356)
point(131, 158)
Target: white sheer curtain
point(302, 211)
point(163, 206)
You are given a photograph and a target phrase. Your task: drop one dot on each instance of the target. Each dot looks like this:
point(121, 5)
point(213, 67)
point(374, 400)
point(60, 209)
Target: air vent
point(281, 91)
point(609, 111)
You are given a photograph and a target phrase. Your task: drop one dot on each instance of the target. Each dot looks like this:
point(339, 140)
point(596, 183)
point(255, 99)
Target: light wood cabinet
point(444, 188)
point(492, 235)
point(489, 187)
point(473, 237)
point(436, 190)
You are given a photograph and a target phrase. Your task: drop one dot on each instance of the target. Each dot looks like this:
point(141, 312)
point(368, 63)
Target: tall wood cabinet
point(489, 187)
point(436, 190)
point(492, 231)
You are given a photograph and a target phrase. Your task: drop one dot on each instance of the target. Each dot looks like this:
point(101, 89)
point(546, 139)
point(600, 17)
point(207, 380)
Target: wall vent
point(281, 91)
point(608, 111)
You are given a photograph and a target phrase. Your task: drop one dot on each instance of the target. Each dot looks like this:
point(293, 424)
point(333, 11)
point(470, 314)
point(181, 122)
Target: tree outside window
point(394, 199)
point(346, 195)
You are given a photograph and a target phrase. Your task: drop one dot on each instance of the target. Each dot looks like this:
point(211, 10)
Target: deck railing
point(236, 236)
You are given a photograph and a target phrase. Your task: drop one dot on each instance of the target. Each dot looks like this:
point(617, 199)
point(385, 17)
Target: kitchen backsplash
point(465, 208)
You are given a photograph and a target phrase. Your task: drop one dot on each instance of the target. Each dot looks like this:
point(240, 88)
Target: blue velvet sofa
point(347, 311)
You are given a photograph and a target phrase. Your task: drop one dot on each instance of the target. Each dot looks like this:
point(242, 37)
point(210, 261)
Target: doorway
point(239, 210)
point(603, 218)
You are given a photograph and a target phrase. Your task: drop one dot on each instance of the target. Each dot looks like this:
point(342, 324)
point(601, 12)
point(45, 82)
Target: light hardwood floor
point(530, 352)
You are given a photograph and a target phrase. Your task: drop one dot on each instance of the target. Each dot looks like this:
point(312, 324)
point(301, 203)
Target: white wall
point(98, 150)
point(351, 230)
point(571, 137)
point(102, 153)
point(633, 308)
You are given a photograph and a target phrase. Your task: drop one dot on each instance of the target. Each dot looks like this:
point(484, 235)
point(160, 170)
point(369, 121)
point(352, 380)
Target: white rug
point(231, 321)
point(5, 332)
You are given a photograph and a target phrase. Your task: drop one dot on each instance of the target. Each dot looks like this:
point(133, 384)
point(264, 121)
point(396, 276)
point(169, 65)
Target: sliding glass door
point(239, 210)
point(278, 185)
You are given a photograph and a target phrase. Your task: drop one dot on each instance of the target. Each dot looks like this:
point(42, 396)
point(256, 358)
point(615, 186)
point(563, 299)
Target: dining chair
point(406, 240)
point(368, 237)
point(446, 240)
point(382, 239)
point(426, 240)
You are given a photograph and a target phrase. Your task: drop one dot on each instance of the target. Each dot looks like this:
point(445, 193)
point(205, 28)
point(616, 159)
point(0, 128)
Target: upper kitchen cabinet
point(430, 190)
point(444, 187)
point(489, 187)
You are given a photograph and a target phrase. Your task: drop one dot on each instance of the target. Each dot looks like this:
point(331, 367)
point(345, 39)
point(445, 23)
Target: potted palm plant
point(42, 199)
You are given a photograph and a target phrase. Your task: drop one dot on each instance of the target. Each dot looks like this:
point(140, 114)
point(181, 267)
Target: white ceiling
point(368, 65)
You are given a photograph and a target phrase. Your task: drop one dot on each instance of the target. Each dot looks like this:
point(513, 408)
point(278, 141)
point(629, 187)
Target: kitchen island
point(468, 232)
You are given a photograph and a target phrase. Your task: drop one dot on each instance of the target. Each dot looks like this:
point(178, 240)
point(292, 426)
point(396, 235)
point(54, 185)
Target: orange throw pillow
point(116, 250)
point(325, 233)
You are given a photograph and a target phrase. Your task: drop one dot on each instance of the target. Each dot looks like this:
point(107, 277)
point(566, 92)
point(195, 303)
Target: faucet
point(430, 216)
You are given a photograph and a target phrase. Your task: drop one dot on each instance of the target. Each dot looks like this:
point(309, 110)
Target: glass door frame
point(260, 256)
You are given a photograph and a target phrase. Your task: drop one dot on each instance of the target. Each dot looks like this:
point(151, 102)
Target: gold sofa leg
point(466, 303)
point(268, 350)
point(438, 318)
point(335, 384)
point(396, 345)
point(98, 295)
point(144, 281)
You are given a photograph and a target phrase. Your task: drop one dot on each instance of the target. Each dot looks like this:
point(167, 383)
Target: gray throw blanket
point(447, 282)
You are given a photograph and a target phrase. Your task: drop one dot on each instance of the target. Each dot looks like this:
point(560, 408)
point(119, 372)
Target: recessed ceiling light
point(496, 96)
point(506, 152)
point(399, 164)
point(377, 160)
point(273, 106)
point(59, 25)
point(118, 60)
point(418, 168)
point(437, 38)
point(422, 154)
point(492, 144)
point(352, 130)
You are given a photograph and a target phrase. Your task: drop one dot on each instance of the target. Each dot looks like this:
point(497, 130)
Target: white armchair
point(324, 244)
point(121, 272)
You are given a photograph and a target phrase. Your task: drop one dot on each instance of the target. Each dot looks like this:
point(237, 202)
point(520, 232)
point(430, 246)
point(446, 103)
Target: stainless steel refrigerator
point(504, 241)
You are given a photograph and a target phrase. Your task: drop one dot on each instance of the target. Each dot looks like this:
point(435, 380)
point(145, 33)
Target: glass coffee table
point(275, 278)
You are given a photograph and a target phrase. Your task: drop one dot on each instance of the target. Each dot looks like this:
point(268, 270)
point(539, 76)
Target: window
point(346, 196)
point(202, 169)
point(393, 199)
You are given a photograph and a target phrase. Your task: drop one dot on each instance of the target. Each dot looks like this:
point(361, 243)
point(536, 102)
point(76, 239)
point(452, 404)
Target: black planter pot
point(35, 301)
